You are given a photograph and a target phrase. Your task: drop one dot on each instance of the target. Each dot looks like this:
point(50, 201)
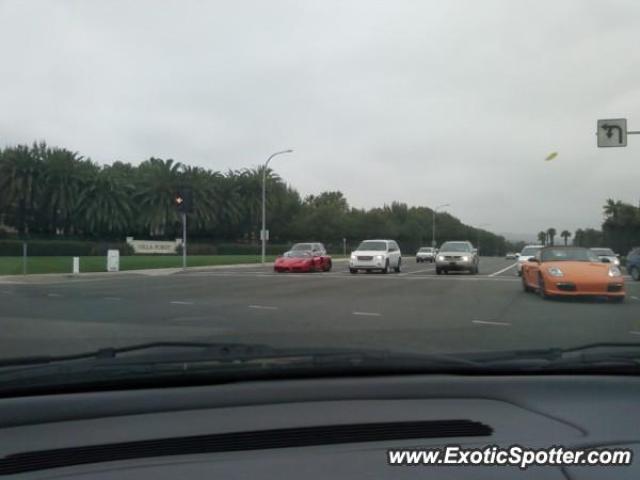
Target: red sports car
point(304, 257)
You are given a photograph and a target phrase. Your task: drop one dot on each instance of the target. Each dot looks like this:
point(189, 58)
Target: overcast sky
point(424, 102)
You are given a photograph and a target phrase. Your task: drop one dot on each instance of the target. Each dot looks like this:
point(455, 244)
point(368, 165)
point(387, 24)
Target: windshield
point(302, 247)
point(164, 164)
point(605, 252)
point(455, 247)
point(373, 246)
point(299, 254)
point(568, 255)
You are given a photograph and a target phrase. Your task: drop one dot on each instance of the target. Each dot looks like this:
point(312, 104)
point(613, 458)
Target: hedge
point(79, 248)
point(61, 248)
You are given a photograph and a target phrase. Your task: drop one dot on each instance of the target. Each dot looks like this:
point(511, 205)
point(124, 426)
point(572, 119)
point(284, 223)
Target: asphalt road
point(412, 310)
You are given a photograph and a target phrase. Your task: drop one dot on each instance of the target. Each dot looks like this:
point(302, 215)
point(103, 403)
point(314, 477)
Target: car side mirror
point(605, 260)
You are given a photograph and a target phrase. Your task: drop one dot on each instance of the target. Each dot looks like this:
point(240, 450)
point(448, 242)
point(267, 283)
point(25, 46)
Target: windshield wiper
point(220, 349)
point(600, 355)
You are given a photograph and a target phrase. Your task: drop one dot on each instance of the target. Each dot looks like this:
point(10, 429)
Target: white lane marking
point(263, 307)
point(177, 302)
point(53, 295)
point(635, 298)
point(486, 322)
point(432, 269)
point(503, 270)
point(633, 332)
point(366, 314)
point(111, 298)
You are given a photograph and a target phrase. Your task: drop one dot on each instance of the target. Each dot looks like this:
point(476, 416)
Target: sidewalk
point(44, 278)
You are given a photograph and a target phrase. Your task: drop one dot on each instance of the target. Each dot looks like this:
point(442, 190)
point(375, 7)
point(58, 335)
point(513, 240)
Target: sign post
point(184, 204)
point(24, 258)
point(184, 240)
point(76, 265)
point(613, 132)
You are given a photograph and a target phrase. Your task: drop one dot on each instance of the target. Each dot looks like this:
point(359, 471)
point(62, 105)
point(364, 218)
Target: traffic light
point(183, 200)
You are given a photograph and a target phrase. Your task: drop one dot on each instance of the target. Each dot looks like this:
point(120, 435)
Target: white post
point(184, 240)
point(76, 265)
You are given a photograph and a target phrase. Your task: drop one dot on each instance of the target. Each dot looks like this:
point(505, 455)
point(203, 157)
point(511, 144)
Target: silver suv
point(457, 256)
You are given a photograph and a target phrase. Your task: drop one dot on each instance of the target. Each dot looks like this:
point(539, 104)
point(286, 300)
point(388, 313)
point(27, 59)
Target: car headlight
point(614, 272)
point(616, 262)
point(555, 272)
point(353, 256)
point(465, 258)
point(441, 258)
point(379, 257)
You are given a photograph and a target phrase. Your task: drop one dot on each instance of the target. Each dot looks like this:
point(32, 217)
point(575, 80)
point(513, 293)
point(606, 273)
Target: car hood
point(293, 259)
point(581, 270)
point(368, 252)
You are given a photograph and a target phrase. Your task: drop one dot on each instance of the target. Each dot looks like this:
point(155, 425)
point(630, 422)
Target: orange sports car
point(572, 271)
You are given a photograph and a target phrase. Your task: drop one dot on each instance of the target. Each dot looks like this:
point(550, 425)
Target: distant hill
point(519, 237)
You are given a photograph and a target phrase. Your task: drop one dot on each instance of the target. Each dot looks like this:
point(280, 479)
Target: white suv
point(527, 252)
point(376, 255)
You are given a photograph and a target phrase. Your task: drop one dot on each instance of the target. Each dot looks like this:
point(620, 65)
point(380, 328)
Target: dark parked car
point(633, 263)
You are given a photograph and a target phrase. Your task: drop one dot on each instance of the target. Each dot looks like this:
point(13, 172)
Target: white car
point(511, 256)
point(607, 255)
point(529, 251)
point(426, 254)
point(379, 255)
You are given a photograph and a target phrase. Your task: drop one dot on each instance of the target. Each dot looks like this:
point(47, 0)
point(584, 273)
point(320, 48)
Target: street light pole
point(433, 224)
point(263, 232)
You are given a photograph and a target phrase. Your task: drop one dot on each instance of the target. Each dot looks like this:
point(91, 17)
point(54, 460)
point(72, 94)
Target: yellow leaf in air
point(551, 156)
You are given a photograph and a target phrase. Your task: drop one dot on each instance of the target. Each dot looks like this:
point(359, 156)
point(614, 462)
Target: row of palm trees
point(548, 237)
point(48, 191)
point(45, 190)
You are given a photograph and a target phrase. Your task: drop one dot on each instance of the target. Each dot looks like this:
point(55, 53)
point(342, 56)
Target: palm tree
point(19, 174)
point(63, 173)
point(542, 238)
point(612, 208)
point(551, 232)
point(205, 197)
point(105, 203)
point(565, 235)
point(158, 181)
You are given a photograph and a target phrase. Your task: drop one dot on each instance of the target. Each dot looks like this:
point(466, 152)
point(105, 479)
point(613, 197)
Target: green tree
point(542, 238)
point(551, 233)
point(105, 205)
point(20, 171)
point(158, 182)
point(565, 235)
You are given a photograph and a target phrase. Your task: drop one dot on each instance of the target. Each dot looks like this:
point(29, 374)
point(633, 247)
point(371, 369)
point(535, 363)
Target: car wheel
point(386, 267)
point(541, 288)
point(616, 299)
point(635, 273)
point(438, 271)
point(328, 266)
point(525, 286)
point(397, 269)
point(353, 271)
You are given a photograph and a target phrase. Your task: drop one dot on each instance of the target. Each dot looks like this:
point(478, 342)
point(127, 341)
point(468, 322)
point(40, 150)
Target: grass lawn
point(13, 265)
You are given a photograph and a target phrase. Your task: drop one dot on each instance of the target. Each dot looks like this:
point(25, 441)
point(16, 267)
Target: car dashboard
point(317, 428)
